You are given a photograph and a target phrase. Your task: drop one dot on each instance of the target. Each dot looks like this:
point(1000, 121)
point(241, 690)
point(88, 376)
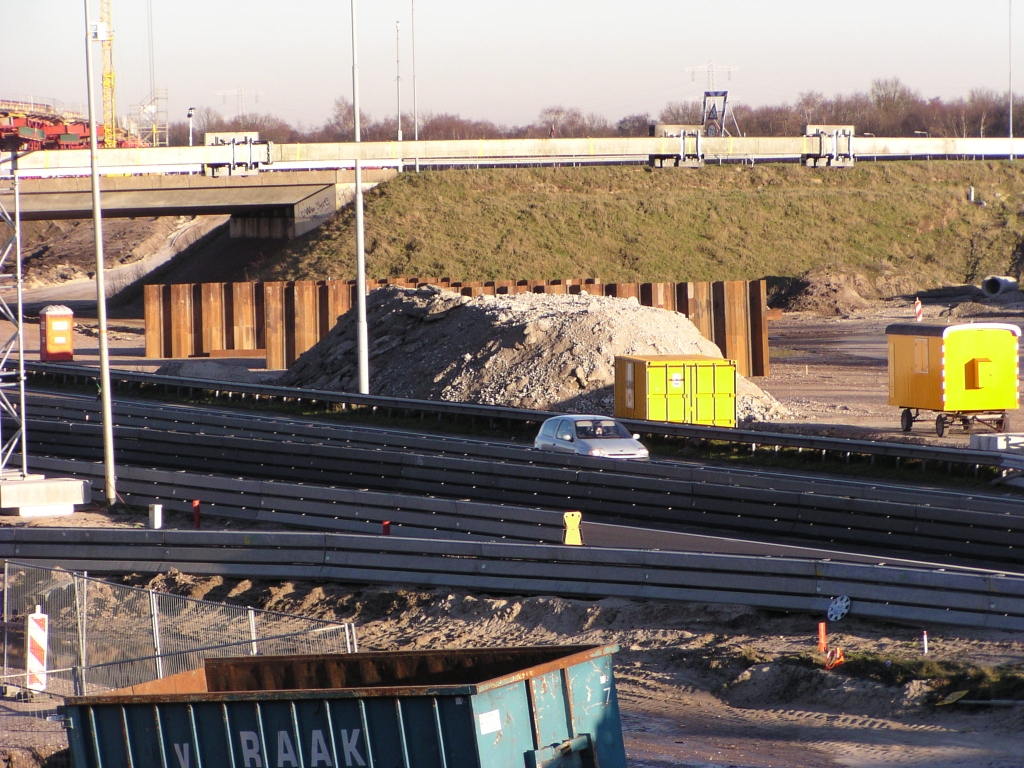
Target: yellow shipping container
point(954, 369)
point(682, 389)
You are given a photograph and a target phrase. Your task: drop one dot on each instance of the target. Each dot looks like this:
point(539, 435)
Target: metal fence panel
point(105, 636)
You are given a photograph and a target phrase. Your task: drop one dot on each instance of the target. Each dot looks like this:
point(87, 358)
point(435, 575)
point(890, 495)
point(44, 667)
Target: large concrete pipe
point(993, 285)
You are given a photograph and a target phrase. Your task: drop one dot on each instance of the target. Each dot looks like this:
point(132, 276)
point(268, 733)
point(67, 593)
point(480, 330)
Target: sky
point(506, 61)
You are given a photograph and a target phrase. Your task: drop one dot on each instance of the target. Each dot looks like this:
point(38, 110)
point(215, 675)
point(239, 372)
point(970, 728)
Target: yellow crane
point(109, 110)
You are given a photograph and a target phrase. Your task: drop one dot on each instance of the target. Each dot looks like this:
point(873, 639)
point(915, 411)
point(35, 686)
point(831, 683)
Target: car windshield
point(588, 430)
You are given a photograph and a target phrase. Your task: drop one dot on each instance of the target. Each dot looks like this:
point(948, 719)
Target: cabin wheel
point(907, 420)
point(940, 425)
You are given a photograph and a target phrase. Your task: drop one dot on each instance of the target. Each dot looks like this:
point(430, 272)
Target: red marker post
point(386, 525)
point(195, 514)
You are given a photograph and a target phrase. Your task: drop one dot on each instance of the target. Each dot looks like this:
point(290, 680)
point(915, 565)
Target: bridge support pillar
point(287, 222)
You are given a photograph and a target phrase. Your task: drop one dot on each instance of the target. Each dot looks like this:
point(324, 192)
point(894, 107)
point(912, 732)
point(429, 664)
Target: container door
point(550, 709)
point(657, 392)
point(676, 393)
point(725, 396)
point(595, 710)
point(703, 398)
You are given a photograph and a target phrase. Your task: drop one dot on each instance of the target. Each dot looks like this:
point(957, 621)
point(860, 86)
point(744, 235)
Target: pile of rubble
point(527, 350)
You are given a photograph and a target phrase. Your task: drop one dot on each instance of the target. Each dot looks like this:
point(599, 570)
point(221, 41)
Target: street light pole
point(415, 108)
point(191, 113)
point(362, 340)
point(109, 486)
point(1009, 26)
point(398, 75)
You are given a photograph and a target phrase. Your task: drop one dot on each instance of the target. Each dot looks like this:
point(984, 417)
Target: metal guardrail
point(359, 511)
point(321, 508)
point(209, 421)
point(439, 408)
point(992, 600)
point(902, 522)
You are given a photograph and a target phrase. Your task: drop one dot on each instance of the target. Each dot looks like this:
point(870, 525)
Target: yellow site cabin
point(964, 372)
point(683, 389)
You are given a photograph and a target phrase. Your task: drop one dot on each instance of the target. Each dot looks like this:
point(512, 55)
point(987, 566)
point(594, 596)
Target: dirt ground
point(699, 685)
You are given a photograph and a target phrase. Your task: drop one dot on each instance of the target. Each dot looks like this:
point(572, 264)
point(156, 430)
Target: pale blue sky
point(505, 61)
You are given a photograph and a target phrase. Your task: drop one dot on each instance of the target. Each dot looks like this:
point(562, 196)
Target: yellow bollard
point(571, 535)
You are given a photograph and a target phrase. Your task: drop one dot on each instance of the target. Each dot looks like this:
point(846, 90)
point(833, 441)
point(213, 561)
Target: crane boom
point(109, 108)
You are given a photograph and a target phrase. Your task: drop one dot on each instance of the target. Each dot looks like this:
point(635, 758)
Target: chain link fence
point(104, 636)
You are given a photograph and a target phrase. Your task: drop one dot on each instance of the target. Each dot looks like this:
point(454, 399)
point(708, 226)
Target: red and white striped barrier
point(35, 650)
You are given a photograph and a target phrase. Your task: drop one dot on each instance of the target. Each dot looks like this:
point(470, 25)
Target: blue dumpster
point(538, 707)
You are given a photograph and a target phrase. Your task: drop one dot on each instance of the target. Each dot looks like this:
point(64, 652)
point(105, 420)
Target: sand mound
point(791, 686)
point(527, 350)
point(826, 294)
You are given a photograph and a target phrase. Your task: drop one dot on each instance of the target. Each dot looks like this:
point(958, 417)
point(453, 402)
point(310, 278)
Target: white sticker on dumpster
point(490, 722)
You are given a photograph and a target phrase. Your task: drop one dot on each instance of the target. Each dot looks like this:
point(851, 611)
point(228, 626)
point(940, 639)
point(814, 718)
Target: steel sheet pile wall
point(472, 708)
point(281, 320)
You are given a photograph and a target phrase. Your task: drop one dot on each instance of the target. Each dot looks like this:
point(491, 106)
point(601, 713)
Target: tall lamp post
point(398, 75)
point(362, 341)
point(191, 114)
point(98, 33)
point(415, 108)
point(1009, 27)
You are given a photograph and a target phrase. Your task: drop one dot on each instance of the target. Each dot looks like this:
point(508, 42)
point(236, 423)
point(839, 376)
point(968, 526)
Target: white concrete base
point(49, 510)
point(38, 496)
point(1010, 442)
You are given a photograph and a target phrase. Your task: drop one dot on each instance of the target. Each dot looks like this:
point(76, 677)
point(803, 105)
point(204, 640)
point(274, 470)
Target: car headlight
point(643, 452)
point(596, 452)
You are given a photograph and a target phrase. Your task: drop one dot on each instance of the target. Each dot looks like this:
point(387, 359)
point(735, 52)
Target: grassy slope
point(887, 221)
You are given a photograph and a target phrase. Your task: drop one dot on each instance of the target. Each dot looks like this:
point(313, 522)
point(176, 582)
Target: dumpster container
point(554, 707)
point(967, 374)
point(683, 389)
point(56, 338)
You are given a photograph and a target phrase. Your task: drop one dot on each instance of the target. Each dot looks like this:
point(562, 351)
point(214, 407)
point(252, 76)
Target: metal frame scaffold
point(12, 378)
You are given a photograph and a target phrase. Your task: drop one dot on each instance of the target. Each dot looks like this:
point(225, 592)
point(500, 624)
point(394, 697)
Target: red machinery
point(30, 126)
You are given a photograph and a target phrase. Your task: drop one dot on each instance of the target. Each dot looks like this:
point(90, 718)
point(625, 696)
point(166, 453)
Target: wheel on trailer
point(940, 425)
point(966, 422)
point(907, 420)
point(1003, 423)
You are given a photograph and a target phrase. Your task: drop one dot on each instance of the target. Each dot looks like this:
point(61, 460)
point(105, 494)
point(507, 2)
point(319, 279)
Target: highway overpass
point(266, 205)
point(229, 159)
point(284, 190)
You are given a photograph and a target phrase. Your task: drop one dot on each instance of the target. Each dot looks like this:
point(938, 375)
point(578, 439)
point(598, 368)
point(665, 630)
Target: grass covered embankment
point(899, 225)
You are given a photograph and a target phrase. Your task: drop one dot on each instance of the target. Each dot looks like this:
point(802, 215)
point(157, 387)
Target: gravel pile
point(527, 350)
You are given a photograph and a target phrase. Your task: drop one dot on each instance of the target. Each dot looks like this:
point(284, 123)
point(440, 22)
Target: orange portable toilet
point(56, 333)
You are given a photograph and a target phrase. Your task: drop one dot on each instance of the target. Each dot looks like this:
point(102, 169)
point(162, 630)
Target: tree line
point(888, 108)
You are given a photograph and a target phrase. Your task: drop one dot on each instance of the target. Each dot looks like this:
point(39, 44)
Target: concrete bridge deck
point(327, 156)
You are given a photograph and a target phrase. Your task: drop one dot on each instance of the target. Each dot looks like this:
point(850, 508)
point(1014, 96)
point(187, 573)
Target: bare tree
point(634, 125)
point(681, 113)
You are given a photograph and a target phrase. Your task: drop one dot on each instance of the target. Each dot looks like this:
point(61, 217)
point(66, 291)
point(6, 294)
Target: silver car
point(589, 436)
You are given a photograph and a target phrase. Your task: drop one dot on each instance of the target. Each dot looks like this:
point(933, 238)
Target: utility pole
point(110, 491)
point(398, 76)
point(362, 340)
point(415, 109)
point(1009, 26)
